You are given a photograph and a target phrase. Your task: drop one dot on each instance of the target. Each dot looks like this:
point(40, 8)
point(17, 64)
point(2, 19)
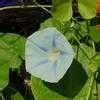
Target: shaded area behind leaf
point(73, 81)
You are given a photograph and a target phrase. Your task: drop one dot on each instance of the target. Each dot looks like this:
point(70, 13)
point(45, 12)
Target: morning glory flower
point(48, 55)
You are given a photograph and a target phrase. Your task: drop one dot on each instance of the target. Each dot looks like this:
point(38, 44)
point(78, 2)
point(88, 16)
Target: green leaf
point(17, 96)
point(98, 86)
point(4, 69)
point(84, 54)
point(52, 23)
point(87, 8)
point(69, 35)
point(86, 90)
point(12, 46)
point(83, 28)
point(41, 92)
point(62, 10)
point(95, 33)
point(46, 24)
point(96, 60)
point(62, 27)
point(4, 76)
point(93, 95)
point(11, 51)
point(11, 93)
point(73, 81)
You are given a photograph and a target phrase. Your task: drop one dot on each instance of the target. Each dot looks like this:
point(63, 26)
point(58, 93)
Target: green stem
point(24, 7)
point(94, 56)
point(90, 86)
point(77, 31)
point(1, 96)
point(87, 26)
point(80, 46)
point(77, 52)
point(75, 20)
point(96, 75)
point(93, 46)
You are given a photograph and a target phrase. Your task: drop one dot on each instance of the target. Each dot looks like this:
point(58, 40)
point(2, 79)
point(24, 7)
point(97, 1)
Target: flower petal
point(43, 38)
point(38, 47)
point(45, 71)
point(63, 65)
point(63, 44)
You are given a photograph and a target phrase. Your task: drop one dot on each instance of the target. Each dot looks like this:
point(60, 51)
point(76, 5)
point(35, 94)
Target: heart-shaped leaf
point(87, 8)
point(72, 82)
point(62, 10)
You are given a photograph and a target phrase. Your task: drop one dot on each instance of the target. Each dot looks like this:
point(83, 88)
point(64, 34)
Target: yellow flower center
point(54, 54)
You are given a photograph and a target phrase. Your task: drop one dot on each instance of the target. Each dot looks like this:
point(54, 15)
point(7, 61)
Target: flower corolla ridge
point(48, 55)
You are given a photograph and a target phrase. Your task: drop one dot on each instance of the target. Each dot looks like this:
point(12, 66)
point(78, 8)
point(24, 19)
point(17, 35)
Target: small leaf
point(95, 33)
point(17, 96)
point(62, 10)
point(87, 8)
point(46, 24)
point(53, 23)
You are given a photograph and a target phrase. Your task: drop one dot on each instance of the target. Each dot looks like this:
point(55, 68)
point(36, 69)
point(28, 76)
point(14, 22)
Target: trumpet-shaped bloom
point(48, 55)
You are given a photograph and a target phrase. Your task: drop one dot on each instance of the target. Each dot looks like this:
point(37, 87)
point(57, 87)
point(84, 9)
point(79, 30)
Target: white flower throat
point(54, 54)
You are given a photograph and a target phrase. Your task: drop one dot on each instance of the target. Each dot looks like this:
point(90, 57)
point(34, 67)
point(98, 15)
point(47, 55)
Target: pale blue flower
point(48, 55)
